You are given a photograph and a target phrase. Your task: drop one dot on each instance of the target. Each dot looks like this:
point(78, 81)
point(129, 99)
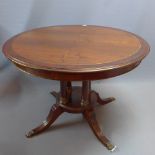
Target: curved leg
point(55, 94)
point(54, 113)
point(103, 101)
point(89, 115)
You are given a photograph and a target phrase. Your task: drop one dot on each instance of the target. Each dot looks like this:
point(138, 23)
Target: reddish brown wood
point(63, 92)
point(89, 115)
point(54, 113)
point(78, 76)
point(69, 91)
point(103, 101)
point(76, 53)
point(83, 101)
point(86, 89)
point(56, 95)
point(73, 53)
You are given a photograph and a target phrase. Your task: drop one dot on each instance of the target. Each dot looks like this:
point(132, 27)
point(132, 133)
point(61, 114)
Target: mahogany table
point(76, 53)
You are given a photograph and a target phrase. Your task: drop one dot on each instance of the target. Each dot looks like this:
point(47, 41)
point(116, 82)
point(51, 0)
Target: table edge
point(142, 52)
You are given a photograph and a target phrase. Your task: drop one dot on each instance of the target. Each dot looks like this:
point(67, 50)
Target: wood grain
point(76, 53)
point(75, 49)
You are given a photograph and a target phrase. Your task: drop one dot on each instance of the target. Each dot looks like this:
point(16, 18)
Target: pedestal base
point(76, 100)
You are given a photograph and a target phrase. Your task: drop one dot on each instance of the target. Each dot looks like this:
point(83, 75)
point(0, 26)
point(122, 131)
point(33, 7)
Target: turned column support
point(67, 101)
point(86, 90)
point(65, 92)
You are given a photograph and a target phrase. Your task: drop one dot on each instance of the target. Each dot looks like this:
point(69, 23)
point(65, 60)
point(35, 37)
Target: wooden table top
point(80, 51)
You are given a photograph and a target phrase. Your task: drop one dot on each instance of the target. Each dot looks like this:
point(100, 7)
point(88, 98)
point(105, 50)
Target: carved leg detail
point(84, 102)
point(89, 115)
point(103, 101)
point(54, 113)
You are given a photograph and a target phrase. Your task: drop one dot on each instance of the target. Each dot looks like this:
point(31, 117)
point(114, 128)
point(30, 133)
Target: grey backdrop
point(24, 100)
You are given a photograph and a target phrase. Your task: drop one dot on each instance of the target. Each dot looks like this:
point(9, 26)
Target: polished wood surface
point(76, 100)
point(76, 53)
point(67, 50)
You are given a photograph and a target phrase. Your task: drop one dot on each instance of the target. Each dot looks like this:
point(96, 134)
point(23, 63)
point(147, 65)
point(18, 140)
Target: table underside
point(76, 100)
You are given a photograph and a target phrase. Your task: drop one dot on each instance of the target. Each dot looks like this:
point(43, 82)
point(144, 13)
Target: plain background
point(25, 100)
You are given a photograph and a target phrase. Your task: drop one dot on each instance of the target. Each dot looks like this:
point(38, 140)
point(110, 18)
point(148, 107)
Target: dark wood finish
point(76, 53)
point(52, 116)
point(77, 76)
point(85, 98)
point(89, 115)
point(83, 101)
point(103, 101)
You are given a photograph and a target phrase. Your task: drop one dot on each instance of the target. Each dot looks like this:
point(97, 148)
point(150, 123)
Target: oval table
point(76, 53)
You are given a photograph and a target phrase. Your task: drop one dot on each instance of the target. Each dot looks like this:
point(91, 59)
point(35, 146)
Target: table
point(76, 53)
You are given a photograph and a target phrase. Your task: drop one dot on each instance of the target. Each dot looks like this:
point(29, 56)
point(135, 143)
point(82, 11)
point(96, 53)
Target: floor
point(129, 122)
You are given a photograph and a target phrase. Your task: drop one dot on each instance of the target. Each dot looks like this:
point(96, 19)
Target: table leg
point(54, 113)
point(56, 95)
point(66, 101)
point(103, 101)
point(85, 97)
point(89, 115)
